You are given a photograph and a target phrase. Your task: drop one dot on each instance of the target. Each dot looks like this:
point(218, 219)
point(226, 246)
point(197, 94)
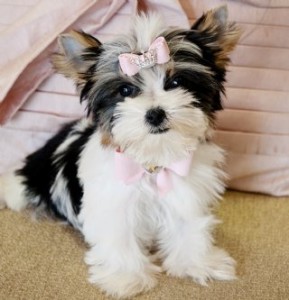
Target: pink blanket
point(253, 128)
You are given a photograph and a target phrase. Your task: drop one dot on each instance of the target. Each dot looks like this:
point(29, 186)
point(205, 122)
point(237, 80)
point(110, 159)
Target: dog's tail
point(12, 192)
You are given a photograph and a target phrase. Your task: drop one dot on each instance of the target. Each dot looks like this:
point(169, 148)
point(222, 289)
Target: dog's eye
point(174, 83)
point(126, 90)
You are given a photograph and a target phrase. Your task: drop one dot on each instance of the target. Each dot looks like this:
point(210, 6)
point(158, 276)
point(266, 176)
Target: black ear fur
point(215, 35)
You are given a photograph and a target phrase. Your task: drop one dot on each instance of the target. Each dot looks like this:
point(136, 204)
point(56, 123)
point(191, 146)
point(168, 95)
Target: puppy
point(140, 172)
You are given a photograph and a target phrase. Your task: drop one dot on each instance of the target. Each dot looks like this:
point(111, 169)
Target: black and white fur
point(155, 117)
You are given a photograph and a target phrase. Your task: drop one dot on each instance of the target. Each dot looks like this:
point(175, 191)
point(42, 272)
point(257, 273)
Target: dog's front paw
point(216, 265)
point(122, 283)
point(119, 277)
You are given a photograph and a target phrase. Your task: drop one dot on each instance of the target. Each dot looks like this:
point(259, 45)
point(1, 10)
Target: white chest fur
point(106, 197)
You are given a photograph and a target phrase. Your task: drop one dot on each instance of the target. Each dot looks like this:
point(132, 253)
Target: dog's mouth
point(159, 130)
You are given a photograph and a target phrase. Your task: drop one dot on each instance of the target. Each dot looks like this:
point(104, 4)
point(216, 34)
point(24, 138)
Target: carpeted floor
point(44, 260)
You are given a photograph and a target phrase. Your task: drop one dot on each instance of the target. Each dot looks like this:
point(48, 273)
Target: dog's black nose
point(155, 116)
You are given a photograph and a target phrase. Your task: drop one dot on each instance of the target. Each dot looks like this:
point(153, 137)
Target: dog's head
point(163, 110)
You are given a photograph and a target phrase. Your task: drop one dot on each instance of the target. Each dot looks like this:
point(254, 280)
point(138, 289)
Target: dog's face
point(163, 111)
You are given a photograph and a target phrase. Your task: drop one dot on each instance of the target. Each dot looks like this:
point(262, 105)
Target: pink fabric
point(158, 53)
point(27, 44)
point(129, 172)
point(24, 41)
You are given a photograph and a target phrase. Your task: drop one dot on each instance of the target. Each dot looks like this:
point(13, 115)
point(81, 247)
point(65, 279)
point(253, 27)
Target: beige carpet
point(45, 260)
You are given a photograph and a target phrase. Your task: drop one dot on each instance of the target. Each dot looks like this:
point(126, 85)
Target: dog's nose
point(155, 116)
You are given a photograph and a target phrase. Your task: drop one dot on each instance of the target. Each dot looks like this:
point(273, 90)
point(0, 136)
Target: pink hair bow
point(129, 172)
point(158, 53)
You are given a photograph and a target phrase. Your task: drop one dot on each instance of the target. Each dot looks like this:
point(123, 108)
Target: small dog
point(140, 172)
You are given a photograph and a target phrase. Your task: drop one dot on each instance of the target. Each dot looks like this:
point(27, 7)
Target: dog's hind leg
point(12, 192)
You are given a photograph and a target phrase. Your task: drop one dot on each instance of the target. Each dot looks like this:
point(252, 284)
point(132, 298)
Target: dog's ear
point(214, 33)
point(78, 55)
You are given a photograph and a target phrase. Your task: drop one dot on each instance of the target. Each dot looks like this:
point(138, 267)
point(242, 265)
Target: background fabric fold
point(26, 45)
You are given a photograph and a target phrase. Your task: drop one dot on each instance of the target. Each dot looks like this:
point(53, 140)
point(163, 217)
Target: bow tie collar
point(129, 172)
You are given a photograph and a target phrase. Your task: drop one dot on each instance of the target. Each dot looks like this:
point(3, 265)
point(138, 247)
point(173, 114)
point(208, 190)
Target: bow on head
point(158, 53)
point(128, 171)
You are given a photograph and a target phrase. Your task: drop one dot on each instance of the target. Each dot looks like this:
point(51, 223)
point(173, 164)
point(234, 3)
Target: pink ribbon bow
point(128, 171)
point(158, 53)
